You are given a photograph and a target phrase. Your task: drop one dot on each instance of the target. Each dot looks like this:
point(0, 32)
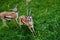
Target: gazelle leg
point(16, 20)
point(30, 29)
point(29, 26)
point(4, 22)
point(20, 23)
point(32, 26)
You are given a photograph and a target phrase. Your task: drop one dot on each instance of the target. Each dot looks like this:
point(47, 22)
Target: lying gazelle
point(9, 15)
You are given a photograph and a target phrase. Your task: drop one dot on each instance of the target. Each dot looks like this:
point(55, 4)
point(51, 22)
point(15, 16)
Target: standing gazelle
point(9, 15)
point(28, 21)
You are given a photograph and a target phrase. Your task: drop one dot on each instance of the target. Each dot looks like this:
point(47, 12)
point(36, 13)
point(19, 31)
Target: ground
point(46, 16)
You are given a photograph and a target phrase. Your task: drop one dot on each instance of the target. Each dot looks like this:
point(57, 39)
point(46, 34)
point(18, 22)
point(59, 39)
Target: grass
point(46, 16)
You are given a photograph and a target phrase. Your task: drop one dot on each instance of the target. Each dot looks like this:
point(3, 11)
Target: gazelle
point(9, 15)
point(28, 21)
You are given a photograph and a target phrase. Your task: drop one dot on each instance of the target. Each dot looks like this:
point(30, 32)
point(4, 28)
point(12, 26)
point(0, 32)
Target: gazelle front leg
point(4, 22)
point(16, 20)
point(32, 26)
point(20, 22)
point(29, 26)
point(30, 29)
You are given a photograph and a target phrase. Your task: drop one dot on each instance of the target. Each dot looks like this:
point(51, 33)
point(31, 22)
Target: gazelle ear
point(15, 8)
point(30, 12)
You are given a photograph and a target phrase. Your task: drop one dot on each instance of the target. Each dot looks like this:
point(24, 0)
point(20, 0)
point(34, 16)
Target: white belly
point(8, 16)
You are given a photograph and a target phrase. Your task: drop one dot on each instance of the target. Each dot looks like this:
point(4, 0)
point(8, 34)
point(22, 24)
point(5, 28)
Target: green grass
point(46, 16)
